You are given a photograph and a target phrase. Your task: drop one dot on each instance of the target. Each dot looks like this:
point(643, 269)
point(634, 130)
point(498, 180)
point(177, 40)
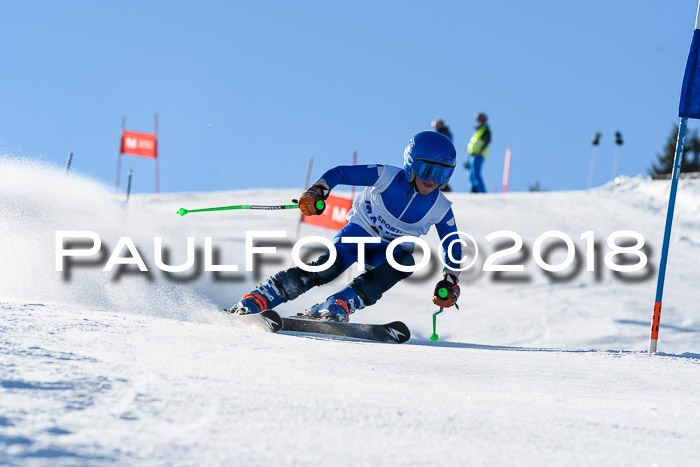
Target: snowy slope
point(101, 367)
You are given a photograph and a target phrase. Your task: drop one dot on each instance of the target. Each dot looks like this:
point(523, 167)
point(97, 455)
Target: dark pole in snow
point(128, 186)
point(70, 159)
point(119, 159)
point(596, 141)
point(618, 145)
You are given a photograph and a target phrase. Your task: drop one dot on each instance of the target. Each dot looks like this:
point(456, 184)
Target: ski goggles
point(431, 170)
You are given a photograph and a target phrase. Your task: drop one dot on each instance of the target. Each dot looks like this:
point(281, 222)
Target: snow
point(141, 368)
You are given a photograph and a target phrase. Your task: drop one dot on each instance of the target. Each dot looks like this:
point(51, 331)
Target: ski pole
point(442, 293)
point(320, 205)
point(434, 336)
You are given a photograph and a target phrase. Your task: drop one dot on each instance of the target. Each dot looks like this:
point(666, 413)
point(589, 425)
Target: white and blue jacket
point(391, 207)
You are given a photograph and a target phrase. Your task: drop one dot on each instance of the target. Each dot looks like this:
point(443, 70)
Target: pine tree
point(664, 163)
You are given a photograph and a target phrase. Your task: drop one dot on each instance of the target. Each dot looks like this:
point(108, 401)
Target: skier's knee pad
point(295, 281)
point(404, 258)
point(327, 275)
point(387, 274)
point(371, 285)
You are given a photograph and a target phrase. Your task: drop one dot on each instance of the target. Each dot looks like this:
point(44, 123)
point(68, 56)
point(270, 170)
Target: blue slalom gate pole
point(678, 158)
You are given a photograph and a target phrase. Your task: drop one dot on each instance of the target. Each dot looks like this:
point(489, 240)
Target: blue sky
point(247, 91)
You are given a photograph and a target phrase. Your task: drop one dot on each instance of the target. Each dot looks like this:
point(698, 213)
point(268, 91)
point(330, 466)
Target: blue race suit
point(388, 208)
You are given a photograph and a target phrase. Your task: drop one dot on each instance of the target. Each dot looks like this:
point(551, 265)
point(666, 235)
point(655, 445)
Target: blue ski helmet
point(430, 156)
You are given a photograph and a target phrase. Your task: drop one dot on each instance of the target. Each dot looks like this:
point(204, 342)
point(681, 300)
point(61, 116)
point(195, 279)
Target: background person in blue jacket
point(439, 126)
point(397, 202)
point(478, 150)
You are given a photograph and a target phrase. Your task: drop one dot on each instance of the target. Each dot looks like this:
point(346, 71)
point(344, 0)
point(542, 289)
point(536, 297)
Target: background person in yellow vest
point(478, 150)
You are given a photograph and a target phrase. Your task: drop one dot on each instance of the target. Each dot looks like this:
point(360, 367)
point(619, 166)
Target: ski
point(268, 320)
point(395, 331)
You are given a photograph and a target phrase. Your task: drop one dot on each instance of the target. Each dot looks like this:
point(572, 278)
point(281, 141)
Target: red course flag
point(139, 144)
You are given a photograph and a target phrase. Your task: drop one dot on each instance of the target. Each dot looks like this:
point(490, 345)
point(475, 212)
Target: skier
point(478, 150)
point(397, 202)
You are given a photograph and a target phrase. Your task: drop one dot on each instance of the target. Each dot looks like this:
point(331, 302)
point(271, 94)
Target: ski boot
point(337, 307)
point(264, 297)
